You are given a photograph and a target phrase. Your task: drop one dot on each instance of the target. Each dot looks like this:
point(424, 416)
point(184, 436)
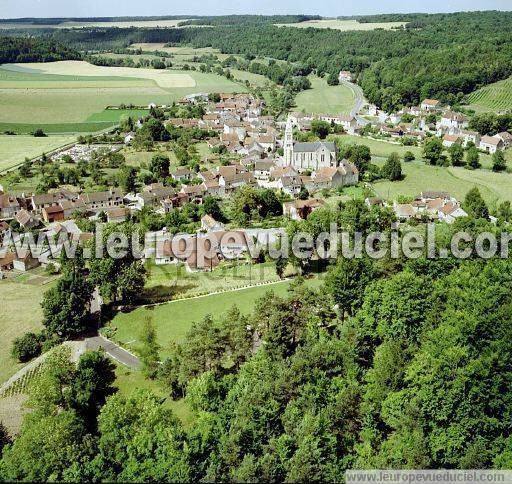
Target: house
point(186, 251)
point(209, 224)
point(152, 195)
point(236, 128)
point(450, 212)
point(262, 169)
point(102, 200)
point(230, 181)
point(429, 104)
point(195, 193)
point(23, 261)
point(182, 174)
point(374, 202)
point(128, 138)
point(491, 144)
point(53, 214)
point(45, 200)
point(300, 209)
point(345, 76)
point(451, 139)
point(9, 206)
point(453, 121)
point(290, 185)
point(470, 137)
point(332, 177)
point(349, 123)
point(403, 211)
point(117, 214)
point(6, 262)
point(506, 137)
point(26, 219)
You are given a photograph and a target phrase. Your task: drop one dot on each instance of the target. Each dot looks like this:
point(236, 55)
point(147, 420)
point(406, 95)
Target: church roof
point(312, 147)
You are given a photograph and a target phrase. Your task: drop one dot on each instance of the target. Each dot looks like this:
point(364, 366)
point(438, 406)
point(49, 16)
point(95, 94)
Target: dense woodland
point(22, 49)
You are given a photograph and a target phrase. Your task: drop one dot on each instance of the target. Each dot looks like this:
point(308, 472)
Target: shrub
point(27, 347)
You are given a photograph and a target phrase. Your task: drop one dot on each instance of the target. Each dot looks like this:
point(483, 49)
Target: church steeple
point(288, 142)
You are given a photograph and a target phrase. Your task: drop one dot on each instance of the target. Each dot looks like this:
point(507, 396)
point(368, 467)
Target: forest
point(392, 363)
point(23, 49)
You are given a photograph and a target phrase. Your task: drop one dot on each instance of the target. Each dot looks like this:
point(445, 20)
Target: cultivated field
point(322, 98)
point(344, 25)
point(76, 25)
point(14, 149)
point(53, 95)
point(494, 97)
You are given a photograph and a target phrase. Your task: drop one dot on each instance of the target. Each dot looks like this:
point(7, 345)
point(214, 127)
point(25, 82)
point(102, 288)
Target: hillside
point(494, 97)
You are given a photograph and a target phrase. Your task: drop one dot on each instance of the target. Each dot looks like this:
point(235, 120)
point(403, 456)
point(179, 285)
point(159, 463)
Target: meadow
point(173, 319)
point(494, 187)
point(77, 25)
point(344, 25)
point(322, 98)
point(494, 97)
point(20, 311)
point(53, 95)
point(14, 149)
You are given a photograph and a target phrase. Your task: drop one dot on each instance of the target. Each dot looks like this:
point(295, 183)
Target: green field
point(173, 320)
point(61, 102)
point(494, 97)
point(494, 187)
point(20, 311)
point(344, 25)
point(322, 98)
point(14, 149)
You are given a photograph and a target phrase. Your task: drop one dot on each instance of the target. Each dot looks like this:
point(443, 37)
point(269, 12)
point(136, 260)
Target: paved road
point(359, 101)
point(114, 351)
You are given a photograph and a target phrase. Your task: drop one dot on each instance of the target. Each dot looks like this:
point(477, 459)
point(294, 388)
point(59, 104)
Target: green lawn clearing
point(344, 25)
point(322, 98)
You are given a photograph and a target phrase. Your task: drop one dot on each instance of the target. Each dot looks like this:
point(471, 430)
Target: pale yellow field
point(163, 78)
point(343, 25)
point(131, 23)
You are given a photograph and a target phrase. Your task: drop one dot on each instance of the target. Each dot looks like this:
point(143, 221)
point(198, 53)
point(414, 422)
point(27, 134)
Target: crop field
point(343, 25)
point(76, 25)
point(54, 95)
point(322, 98)
point(494, 187)
point(14, 149)
point(494, 97)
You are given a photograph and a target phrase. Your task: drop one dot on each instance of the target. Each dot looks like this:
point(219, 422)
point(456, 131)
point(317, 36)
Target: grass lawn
point(494, 97)
point(20, 311)
point(322, 98)
point(173, 320)
point(168, 281)
point(60, 96)
point(14, 149)
point(127, 381)
point(458, 181)
point(344, 25)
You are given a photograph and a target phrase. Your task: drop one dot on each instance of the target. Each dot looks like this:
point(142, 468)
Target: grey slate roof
point(313, 146)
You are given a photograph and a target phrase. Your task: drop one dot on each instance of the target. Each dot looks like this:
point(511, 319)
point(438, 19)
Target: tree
point(159, 166)
point(303, 194)
point(39, 133)
point(91, 385)
point(472, 158)
point(456, 154)
point(432, 150)
point(149, 350)
point(140, 441)
point(26, 347)
point(66, 306)
point(211, 207)
point(281, 264)
point(320, 128)
point(392, 169)
point(475, 205)
point(347, 281)
point(361, 156)
point(498, 161)
point(409, 156)
point(332, 80)
point(128, 179)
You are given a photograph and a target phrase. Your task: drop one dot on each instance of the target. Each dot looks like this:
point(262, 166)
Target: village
point(264, 155)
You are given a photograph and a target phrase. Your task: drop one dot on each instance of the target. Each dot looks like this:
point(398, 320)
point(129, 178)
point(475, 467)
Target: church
point(307, 156)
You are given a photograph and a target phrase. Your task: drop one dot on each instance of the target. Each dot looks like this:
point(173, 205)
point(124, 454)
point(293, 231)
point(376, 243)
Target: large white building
point(307, 156)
